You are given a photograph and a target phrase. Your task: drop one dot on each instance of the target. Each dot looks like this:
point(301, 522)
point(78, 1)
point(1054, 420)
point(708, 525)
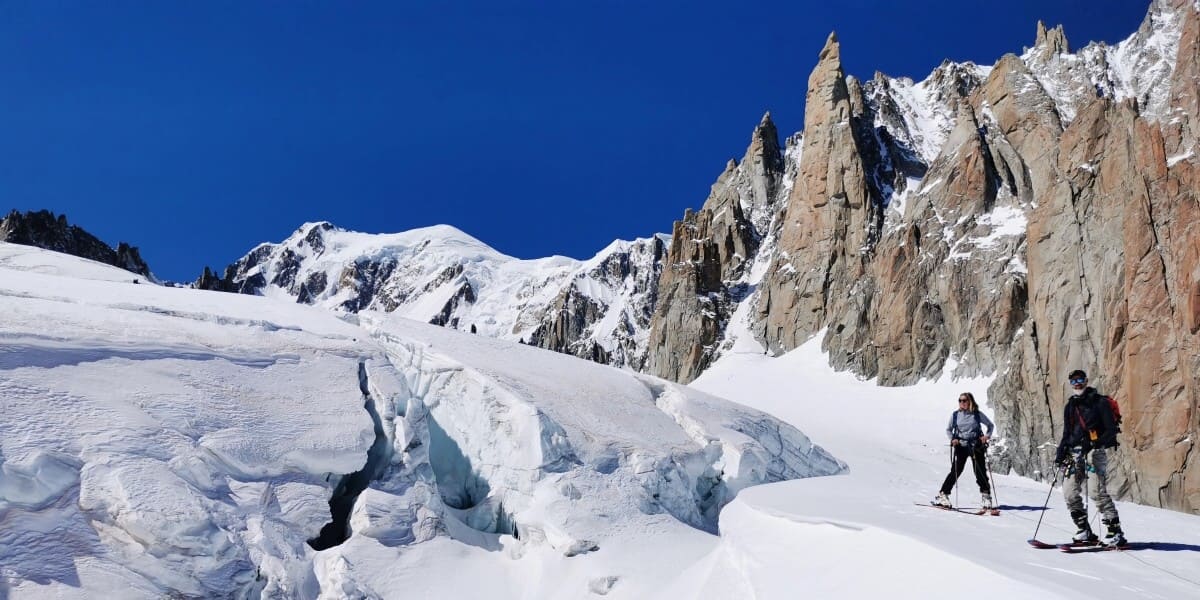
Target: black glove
point(1061, 457)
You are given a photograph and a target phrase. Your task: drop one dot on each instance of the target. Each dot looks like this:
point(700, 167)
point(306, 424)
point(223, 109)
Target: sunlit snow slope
point(862, 535)
point(171, 442)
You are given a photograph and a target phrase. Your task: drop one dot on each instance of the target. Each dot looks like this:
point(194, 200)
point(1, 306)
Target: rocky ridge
point(1020, 220)
point(44, 230)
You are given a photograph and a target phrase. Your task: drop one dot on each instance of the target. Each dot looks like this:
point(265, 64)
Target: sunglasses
point(963, 401)
point(1078, 380)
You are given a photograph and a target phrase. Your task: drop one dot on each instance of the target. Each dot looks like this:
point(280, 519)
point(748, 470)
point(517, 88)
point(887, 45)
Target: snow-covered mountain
point(168, 442)
point(985, 217)
point(597, 309)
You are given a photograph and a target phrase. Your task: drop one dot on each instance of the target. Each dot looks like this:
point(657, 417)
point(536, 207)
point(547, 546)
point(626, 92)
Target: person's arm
point(1061, 455)
point(987, 423)
point(951, 427)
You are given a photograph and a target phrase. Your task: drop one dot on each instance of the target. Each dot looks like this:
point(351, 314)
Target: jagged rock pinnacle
point(832, 50)
point(1053, 40)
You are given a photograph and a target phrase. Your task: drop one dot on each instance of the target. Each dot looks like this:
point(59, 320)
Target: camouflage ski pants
point(1078, 477)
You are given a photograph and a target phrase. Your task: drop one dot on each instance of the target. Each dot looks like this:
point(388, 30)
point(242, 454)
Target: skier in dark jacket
point(969, 441)
point(1089, 435)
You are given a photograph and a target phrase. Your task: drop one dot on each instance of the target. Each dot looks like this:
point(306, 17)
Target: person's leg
point(960, 459)
point(1099, 485)
point(1104, 502)
point(1074, 485)
point(981, 476)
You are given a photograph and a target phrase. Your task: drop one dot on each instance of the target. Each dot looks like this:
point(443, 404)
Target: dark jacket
point(1086, 413)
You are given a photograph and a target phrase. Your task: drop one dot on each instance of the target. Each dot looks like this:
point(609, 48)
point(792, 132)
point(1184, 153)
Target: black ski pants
point(961, 454)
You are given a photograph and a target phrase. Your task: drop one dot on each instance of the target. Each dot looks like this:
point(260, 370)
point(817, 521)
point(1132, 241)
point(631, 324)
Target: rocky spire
point(709, 250)
point(764, 165)
point(1053, 229)
point(1053, 41)
point(830, 217)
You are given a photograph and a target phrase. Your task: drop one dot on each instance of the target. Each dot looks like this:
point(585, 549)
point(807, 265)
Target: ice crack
point(348, 489)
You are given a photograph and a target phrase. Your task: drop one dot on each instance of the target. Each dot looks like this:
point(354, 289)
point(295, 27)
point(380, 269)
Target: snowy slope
point(824, 535)
point(162, 441)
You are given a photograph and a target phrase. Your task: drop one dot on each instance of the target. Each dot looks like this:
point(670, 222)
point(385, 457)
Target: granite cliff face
point(1019, 220)
point(1114, 278)
point(709, 259)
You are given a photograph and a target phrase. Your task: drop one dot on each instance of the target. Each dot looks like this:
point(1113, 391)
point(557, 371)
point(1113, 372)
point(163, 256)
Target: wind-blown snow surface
point(163, 441)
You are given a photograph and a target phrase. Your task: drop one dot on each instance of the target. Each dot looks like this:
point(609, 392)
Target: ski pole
point(1047, 503)
point(954, 471)
point(992, 480)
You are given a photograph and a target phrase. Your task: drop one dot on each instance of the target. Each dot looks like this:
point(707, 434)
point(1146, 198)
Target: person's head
point(1077, 380)
point(966, 401)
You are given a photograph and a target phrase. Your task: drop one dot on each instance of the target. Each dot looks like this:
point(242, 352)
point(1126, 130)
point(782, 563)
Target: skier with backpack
point(1091, 422)
point(968, 440)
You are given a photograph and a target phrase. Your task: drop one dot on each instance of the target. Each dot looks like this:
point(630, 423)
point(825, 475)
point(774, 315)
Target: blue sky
point(196, 130)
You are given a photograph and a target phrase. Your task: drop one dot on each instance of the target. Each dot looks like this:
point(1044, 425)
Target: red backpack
point(1116, 411)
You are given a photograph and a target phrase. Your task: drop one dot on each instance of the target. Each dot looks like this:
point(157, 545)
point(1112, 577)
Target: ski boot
point(942, 500)
point(1115, 537)
point(1084, 536)
point(986, 502)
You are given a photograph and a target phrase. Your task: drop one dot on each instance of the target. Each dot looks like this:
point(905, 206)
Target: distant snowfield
point(158, 441)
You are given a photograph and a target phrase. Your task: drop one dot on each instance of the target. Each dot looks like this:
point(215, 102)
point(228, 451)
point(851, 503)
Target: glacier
point(168, 441)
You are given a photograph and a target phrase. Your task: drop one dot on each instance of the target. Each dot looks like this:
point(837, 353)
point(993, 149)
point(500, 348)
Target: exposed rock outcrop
point(579, 322)
point(709, 256)
point(44, 230)
point(832, 220)
point(1113, 282)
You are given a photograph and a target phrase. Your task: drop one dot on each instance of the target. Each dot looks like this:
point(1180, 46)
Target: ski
point(965, 511)
point(1073, 549)
point(1067, 547)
